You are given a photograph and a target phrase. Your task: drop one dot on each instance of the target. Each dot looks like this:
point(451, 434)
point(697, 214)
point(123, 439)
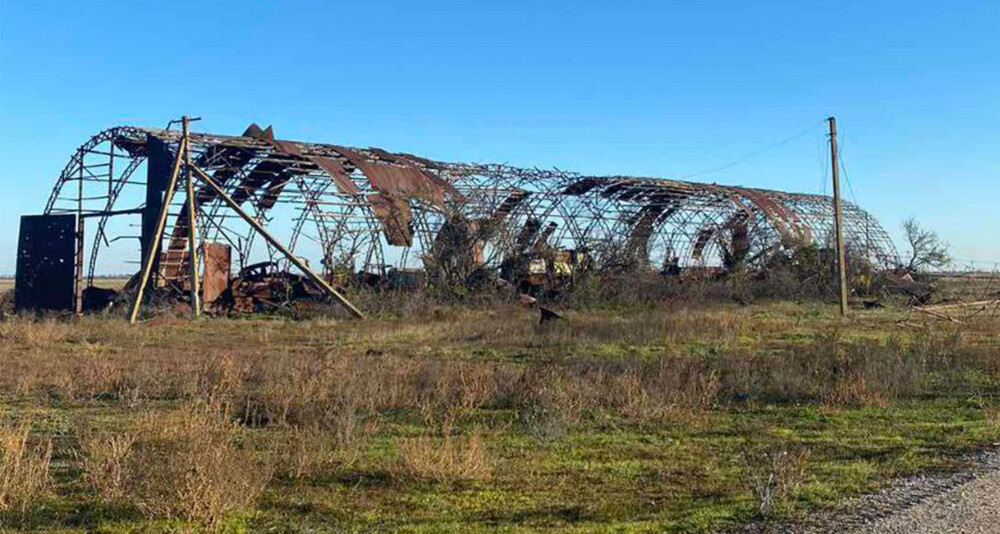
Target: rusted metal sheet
point(739, 242)
point(230, 160)
point(701, 242)
point(408, 160)
point(341, 178)
point(172, 263)
point(786, 222)
point(528, 234)
point(583, 186)
point(642, 230)
point(254, 131)
point(266, 172)
point(216, 262)
point(429, 163)
point(46, 251)
point(273, 191)
point(406, 181)
point(544, 236)
point(339, 174)
point(287, 147)
point(395, 216)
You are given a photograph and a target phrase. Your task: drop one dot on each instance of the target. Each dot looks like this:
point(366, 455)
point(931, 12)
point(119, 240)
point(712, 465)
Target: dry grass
point(444, 458)
point(190, 463)
point(24, 468)
point(206, 421)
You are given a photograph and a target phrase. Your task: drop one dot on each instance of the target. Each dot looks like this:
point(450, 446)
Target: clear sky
point(645, 88)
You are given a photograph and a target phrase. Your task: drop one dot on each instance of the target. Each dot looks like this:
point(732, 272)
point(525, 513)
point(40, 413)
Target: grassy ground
point(683, 418)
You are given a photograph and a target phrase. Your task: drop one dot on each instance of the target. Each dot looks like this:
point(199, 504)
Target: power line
point(843, 168)
point(823, 157)
point(755, 153)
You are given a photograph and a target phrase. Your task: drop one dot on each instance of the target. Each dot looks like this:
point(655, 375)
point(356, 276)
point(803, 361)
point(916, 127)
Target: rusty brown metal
point(399, 178)
point(337, 173)
point(216, 263)
point(395, 215)
point(784, 220)
point(408, 160)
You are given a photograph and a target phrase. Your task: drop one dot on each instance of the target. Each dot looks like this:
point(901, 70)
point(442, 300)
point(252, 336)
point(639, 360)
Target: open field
point(677, 418)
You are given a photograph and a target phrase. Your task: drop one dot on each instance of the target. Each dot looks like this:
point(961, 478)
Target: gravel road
point(964, 502)
point(970, 508)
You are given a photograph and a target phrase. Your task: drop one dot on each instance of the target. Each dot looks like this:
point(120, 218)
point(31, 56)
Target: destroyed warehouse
point(271, 209)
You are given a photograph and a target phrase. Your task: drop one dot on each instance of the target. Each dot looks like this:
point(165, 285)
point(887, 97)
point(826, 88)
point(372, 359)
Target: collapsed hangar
point(366, 213)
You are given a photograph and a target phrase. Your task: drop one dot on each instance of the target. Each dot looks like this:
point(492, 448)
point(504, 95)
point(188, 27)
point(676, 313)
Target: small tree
point(926, 248)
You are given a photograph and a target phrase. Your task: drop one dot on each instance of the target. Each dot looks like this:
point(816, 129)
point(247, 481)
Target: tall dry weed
point(447, 457)
point(108, 464)
point(24, 468)
point(191, 464)
point(195, 466)
point(773, 475)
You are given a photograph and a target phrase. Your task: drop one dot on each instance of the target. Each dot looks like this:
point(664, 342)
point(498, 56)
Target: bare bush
point(772, 475)
point(107, 463)
point(24, 468)
point(196, 468)
point(990, 408)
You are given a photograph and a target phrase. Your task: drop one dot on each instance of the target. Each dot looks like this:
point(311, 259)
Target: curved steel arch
point(369, 210)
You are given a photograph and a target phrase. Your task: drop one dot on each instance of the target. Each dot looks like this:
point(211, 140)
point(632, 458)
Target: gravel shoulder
point(966, 502)
point(970, 508)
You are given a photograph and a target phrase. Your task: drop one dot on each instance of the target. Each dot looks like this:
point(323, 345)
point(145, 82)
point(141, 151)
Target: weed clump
point(189, 464)
point(24, 468)
point(447, 457)
point(772, 475)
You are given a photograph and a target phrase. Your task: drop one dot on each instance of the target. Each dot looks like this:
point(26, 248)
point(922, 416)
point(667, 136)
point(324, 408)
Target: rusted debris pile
point(252, 221)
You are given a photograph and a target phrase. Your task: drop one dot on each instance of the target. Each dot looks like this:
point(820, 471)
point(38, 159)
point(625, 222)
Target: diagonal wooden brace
point(318, 280)
point(154, 243)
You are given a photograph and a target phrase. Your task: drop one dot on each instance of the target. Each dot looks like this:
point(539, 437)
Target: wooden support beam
point(154, 243)
point(192, 213)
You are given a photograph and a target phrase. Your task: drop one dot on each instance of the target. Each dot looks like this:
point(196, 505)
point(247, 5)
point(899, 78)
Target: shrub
point(196, 468)
point(772, 475)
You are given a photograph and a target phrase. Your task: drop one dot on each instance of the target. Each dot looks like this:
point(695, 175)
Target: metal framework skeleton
point(357, 210)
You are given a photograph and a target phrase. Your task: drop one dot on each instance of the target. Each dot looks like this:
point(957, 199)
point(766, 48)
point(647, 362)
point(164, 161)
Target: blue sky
point(646, 88)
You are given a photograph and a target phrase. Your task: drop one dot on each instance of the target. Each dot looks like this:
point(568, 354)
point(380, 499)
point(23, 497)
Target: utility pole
point(841, 266)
